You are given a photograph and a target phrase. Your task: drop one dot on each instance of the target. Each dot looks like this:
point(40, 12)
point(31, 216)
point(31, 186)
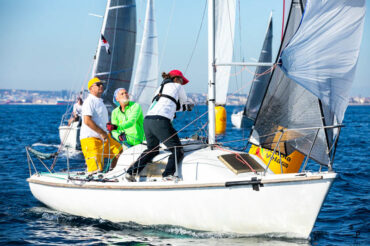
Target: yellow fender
point(220, 120)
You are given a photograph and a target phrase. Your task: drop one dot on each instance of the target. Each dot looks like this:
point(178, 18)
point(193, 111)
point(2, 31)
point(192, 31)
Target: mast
point(211, 72)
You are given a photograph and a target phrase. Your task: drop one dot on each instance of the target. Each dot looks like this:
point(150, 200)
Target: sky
point(50, 44)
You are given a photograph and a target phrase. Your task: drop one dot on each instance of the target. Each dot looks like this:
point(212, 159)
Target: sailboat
point(246, 117)
point(146, 75)
point(222, 190)
point(113, 61)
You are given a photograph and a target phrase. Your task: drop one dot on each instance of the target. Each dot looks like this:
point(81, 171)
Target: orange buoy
point(220, 120)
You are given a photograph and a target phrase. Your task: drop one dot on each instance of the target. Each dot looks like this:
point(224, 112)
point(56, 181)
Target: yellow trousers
point(92, 148)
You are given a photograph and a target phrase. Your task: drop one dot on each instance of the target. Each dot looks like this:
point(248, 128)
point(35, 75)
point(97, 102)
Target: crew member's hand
point(111, 127)
point(189, 107)
point(104, 136)
point(122, 137)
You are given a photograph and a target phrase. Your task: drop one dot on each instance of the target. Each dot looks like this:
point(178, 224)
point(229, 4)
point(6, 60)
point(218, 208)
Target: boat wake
point(64, 152)
point(45, 145)
point(155, 234)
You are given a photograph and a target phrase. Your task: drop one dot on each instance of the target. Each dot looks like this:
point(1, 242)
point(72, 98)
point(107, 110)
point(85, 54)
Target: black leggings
point(159, 129)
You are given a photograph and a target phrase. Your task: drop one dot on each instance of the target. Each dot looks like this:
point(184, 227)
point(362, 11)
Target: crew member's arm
point(115, 121)
point(90, 123)
point(132, 117)
point(183, 99)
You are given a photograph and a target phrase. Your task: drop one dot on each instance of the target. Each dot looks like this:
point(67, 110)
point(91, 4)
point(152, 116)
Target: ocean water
point(344, 218)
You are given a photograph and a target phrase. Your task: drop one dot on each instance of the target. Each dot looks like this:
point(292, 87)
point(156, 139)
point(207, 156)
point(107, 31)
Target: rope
point(238, 157)
point(196, 41)
point(168, 31)
point(257, 75)
point(282, 25)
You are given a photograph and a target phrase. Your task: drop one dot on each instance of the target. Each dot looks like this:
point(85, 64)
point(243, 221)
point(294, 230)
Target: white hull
point(241, 121)
point(70, 136)
point(286, 205)
point(236, 119)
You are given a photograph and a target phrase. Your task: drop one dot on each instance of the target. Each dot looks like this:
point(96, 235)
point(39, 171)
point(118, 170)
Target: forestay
point(224, 40)
point(146, 76)
point(115, 55)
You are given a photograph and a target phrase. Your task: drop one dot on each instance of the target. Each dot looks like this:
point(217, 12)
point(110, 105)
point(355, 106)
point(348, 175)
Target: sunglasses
point(99, 84)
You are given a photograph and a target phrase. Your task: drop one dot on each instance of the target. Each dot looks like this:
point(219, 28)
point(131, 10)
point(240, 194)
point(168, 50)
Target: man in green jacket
point(126, 120)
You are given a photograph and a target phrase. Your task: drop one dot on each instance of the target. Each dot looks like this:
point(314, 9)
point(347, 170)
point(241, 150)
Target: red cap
point(178, 73)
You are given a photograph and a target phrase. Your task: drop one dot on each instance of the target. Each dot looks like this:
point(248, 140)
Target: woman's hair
point(79, 99)
point(166, 75)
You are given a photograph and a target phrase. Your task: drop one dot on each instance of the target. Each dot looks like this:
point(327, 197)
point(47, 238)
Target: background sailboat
point(113, 61)
point(115, 64)
point(146, 76)
point(246, 117)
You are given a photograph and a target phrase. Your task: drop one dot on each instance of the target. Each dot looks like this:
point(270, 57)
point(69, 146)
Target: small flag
point(105, 44)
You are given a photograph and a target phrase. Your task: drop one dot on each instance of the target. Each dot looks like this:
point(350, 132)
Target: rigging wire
point(168, 31)
point(241, 57)
point(231, 37)
point(282, 25)
point(195, 46)
point(197, 39)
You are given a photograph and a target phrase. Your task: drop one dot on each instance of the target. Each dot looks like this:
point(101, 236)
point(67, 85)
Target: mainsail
point(259, 85)
point(224, 40)
point(290, 112)
point(146, 76)
point(116, 50)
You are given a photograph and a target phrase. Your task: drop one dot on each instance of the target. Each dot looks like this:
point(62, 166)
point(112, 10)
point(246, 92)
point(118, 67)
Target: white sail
point(146, 76)
point(322, 55)
point(224, 40)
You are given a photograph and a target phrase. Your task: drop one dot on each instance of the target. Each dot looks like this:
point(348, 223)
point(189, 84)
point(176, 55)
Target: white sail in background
point(224, 41)
point(322, 55)
point(259, 85)
point(146, 77)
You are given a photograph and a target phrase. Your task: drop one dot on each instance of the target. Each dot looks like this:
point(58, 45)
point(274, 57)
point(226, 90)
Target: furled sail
point(116, 50)
point(259, 85)
point(289, 106)
point(146, 76)
point(322, 55)
point(224, 40)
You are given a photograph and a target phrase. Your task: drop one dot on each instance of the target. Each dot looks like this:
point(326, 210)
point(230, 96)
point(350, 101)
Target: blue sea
point(344, 218)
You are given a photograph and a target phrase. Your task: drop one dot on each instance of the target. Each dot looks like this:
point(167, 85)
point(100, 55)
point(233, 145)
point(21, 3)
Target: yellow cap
point(92, 81)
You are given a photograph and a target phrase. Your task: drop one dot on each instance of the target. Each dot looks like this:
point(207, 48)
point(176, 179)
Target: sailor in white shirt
point(93, 135)
point(170, 97)
point(76, 112)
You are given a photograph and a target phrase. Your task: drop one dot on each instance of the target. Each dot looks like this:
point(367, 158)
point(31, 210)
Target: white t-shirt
point(166, 107)
point(77, 109)
point(94, 107)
